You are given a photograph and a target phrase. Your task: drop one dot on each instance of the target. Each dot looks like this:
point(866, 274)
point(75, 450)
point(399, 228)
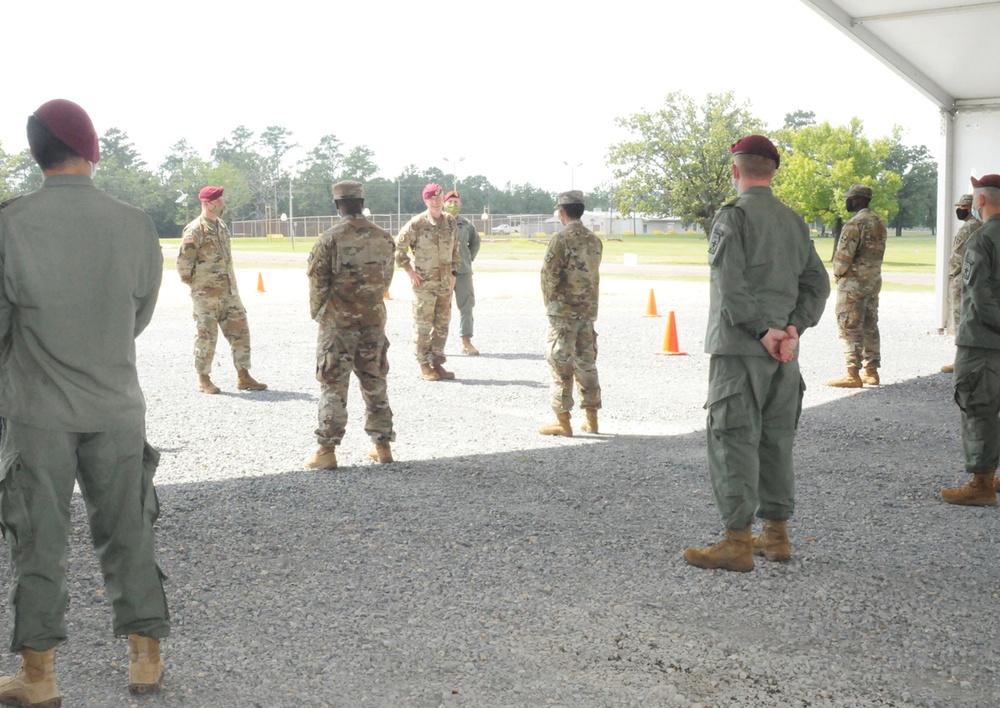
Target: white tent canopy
point(945, 50)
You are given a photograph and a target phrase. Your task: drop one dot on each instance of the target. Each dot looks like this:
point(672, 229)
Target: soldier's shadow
point(269, 396)
point(495, 382)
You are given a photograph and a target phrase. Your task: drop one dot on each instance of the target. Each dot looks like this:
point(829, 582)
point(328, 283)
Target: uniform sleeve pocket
point(150, 502)
point(14, 520)
point(727, 405)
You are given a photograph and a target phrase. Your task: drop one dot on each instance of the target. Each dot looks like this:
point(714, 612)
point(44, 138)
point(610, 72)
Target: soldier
point(82, 273)
point(977, 359)
point(963, 212)
point(468, 249)
point(349, 271)
point(432, 236)
point(857, 270)
point(767, 287)
point(205, 263)
point(570, 289)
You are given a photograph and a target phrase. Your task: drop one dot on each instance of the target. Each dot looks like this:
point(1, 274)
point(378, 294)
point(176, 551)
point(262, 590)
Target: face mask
point(848, 204)
point(962, 214)
point(452, 208)
point(975, 213)
point(93, 170)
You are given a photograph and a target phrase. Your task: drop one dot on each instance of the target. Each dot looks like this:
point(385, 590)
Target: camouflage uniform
point(570, 289)
point(465, 294)
point(971, 225)
point(434, 244)
point(205, 263)
point(349, 271)
point(857, 269)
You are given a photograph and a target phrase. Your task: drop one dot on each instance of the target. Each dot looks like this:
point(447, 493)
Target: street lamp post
point(572, 169)
point(454, 171)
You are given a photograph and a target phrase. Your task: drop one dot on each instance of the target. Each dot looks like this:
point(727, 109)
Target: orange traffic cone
point(651, 305)
point(387, 296)
point(260, 283)
point(670, 338)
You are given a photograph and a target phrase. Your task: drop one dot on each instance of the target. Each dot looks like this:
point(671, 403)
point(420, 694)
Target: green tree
point(678, 161)
point(799, 119)
point(359, 164)
point(122, 173)
point(917, 198)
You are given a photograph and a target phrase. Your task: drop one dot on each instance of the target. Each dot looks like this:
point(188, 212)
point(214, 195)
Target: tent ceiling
point(945, 49)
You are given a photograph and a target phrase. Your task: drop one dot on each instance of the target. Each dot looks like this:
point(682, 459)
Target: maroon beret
point(756, 145)
point(986, 181)
point(209, 194)
point(72, 125)
point(432, 190)
point(451, 195)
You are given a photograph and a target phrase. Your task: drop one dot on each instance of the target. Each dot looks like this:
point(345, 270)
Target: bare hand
point(789, 344)
point(453, 283)
point(772, 342)
point(415, 278)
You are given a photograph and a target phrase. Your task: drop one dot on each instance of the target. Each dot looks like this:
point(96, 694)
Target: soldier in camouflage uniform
point(570, 289)
point(468, 249)
point(205, 263)
point(962, 213)
point(432, 237)
point(349, 271)
point(857, 269)
point(977, 360)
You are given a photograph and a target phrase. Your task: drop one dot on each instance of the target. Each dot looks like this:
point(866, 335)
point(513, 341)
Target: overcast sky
point(516, 88)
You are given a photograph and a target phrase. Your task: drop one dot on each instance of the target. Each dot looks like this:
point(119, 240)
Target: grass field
point(911, 253)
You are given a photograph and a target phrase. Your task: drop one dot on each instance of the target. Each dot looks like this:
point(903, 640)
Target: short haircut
point(49, 151)
point(992, 194)
point(755, 166)
point(352, 205)
point(573, 211)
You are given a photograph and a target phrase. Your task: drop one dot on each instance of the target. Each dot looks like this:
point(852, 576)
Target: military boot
point(734, 552)
point(560, 427)
point(246, 382)
point(852, 380)
point(205, 384)
point(948, 369)
point(591, 425)
point(773, 542)
point(981, 491)
point(381, 453)
point(427, 373)
point(325, 458)
point(443, 373)
point(467, 347)
point(35, 684)
point(145, 667)
point(870, 377)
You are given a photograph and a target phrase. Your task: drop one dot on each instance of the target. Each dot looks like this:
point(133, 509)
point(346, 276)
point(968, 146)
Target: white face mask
point(975, 213)
point(93, 170)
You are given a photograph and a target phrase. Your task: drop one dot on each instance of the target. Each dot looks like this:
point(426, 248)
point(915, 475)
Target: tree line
point(675, 163)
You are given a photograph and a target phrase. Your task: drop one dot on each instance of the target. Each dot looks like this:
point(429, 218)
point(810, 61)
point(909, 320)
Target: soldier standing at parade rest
point(432, 236)
point(570, 289)
point(857, 270)
point(977, 358)
point(350, 268)
point(963, 212)
point(468, 249)
point(767, 286)
point(205, 263)
point(81, 273)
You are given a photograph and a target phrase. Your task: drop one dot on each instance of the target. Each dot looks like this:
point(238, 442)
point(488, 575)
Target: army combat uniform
point(205, 263)
point(857, 270)
point(764, 273)
point(955, 281)
point(434, 246)
point(350, 269)
point(570, 280)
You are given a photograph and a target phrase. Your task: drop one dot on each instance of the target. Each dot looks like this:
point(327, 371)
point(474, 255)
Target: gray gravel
point(492, 566)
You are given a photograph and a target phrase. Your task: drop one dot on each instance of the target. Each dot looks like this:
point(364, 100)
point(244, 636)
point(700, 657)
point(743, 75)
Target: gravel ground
point(492, 566)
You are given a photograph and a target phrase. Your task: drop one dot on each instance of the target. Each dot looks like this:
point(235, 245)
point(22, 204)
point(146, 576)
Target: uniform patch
point(309, 260)
point(549, 256)
point(716, 240)
point(189, 239)
point(968, 265)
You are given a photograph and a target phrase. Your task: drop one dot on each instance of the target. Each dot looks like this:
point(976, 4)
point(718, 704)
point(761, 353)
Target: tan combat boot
point(467, 347)
point(560, 427)
point(246, 382)
point(870, 377)
point(325, 458)
point(591, 425)
point(981, 491)
point(427, 373)
point(35, 684)
point(852, 380)
point(145, 667)
point(948, 369)
point(381, 453)
point(773, 542)
point(734, 552)
point(205, 384)
point(442, 373)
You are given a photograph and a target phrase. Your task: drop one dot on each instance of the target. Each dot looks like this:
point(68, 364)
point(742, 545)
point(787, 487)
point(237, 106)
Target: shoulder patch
point(549, 255)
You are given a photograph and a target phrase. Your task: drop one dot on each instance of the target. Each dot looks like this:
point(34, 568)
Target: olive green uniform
point(977, 360)
point(81, 272)
point(764, 273)
point(465, 293)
